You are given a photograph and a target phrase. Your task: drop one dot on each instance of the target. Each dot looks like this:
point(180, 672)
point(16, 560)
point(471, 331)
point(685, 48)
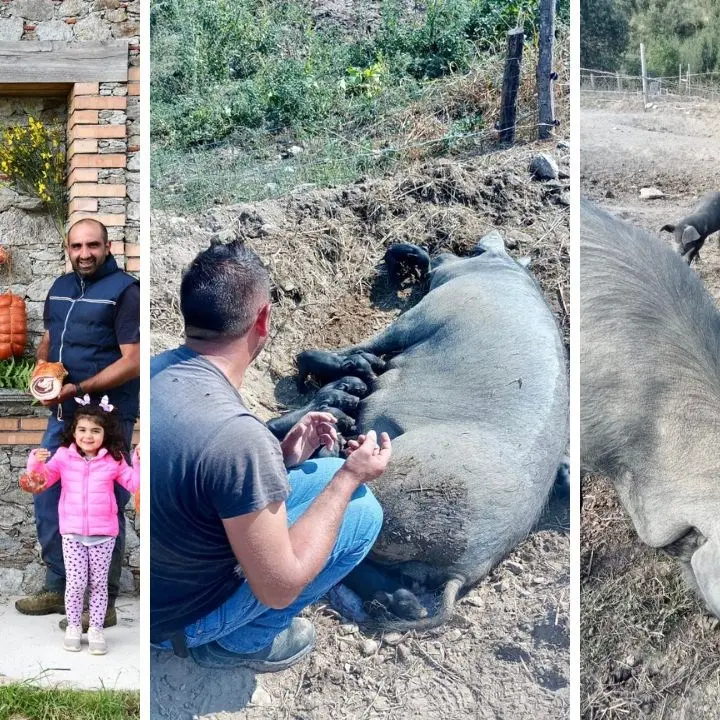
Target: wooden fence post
point(619, 81)
point(544, 74)
point(511, 83)
point(644, 75)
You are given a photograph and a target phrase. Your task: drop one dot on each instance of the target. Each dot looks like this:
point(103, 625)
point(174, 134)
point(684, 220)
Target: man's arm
point(123, 369)
point(278, 562)
point(43, 349)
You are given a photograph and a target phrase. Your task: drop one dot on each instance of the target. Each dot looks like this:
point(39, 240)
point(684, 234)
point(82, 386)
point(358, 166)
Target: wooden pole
point(680, 79)
point(592, 81)
point(544, 74)
point(619, 81)
point(511, 83)
point(644, 74)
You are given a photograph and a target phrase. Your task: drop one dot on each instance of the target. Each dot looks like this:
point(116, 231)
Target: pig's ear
point(690, 235)
point(669, 228)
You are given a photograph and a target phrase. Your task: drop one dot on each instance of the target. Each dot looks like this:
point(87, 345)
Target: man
point(238, 547)
point(92, 326)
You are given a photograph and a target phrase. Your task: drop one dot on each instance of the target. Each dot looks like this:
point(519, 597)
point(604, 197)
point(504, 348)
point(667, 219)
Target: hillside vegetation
point(675, 32)
point(251, 97)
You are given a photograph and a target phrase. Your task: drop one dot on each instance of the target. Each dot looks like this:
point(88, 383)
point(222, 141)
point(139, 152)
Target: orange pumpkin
point(13, 326)
point(4, 254)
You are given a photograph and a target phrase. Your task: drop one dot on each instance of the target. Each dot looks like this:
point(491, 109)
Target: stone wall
point(36, 252)
point(69, 20)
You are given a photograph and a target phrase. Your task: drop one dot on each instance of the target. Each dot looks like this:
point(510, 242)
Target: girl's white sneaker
point(73, 636)
point(96, 640)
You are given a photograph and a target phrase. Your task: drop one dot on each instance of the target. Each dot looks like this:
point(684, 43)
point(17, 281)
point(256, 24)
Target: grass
point(241, 116)
point(646, 642)
point(23, 701)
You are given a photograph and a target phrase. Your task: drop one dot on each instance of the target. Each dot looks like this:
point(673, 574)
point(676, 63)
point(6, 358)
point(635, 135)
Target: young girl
point(87, 464)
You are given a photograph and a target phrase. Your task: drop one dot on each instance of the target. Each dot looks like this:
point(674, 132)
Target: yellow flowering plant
point(33, 160)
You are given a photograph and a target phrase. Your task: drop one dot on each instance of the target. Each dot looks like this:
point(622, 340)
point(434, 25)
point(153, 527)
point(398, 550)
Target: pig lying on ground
point(475, 399)
point(690, 233)
point(650, 391)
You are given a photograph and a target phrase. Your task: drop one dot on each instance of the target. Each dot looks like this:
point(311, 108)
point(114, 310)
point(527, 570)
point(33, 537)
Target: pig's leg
point(705, 563)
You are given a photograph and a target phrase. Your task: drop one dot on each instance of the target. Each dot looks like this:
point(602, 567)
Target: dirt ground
point(505, 654)
point(648, 647)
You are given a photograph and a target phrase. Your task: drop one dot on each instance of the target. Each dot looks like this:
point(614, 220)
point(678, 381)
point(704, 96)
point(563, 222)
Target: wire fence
point(697, 86)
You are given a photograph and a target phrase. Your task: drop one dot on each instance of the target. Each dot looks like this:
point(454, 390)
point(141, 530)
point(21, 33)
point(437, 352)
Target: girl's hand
point(32, 482)
point(137, 451)
point(42, 455)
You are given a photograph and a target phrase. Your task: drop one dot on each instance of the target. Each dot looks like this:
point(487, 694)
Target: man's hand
point(67, 391)
point(367, 459)
point(314, 430)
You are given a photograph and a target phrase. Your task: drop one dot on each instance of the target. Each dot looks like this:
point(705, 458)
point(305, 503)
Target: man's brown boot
point(44, 602)
point(110, 619)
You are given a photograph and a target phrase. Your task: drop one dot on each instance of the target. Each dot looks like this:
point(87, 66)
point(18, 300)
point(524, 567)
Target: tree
point(604, 33)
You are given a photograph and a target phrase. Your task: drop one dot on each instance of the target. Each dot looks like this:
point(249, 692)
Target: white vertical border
point(575, 359)
point(145, 358)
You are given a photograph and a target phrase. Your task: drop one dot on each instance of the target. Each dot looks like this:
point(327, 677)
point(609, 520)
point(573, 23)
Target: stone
point(9, 517)
point(563, 145)
point(8, 545)
point(11, 29)
point(73, 8)
point(132, 541)
point(133, 211)
point(126, 29)
point(92, 28)
point(134, 557)
point(29, 203)
point(54, 30)
point(368, 647)
point(112, 146)
point(33, 578)
point(112, 117)
point(514, 567)
point(133, 163)
point(33, 10)
point(8, 198)
point(133, 190)
point(261, 697)
point(38, 289)
point(116, 16)
point(127, 582)
point(651, 193)
point(543, 167)
point(107, 4)
point(392, 638)
point(11, 581)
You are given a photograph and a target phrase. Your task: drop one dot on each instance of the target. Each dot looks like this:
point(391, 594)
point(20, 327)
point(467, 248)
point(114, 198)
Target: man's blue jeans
point(47, 523)
point(242, 624)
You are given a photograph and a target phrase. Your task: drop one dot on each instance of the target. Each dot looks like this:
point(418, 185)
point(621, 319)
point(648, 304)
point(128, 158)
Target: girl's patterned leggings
point(80, 562)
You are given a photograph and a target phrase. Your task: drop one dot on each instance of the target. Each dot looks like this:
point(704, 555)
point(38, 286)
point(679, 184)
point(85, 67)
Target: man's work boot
point(286, 649)
point(110, 619)
point(45, 602)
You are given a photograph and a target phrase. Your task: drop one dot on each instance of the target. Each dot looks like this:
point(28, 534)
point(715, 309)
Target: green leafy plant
point(367, 81)
point(33, 160)
point(15, 373)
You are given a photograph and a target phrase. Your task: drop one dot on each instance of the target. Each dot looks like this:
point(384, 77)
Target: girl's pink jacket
point(87, 501)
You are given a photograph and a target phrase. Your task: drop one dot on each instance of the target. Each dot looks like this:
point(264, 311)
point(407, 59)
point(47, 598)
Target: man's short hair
point(93, 221)
point(222, 291)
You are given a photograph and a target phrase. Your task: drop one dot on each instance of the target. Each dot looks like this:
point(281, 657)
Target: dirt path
point(505, 654)
point(648, 648)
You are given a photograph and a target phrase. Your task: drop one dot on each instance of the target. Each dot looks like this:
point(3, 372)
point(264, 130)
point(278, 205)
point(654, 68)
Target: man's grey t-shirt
point(210, 459)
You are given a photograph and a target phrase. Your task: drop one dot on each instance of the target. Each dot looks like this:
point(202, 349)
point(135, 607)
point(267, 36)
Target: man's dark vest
point(82, 332)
